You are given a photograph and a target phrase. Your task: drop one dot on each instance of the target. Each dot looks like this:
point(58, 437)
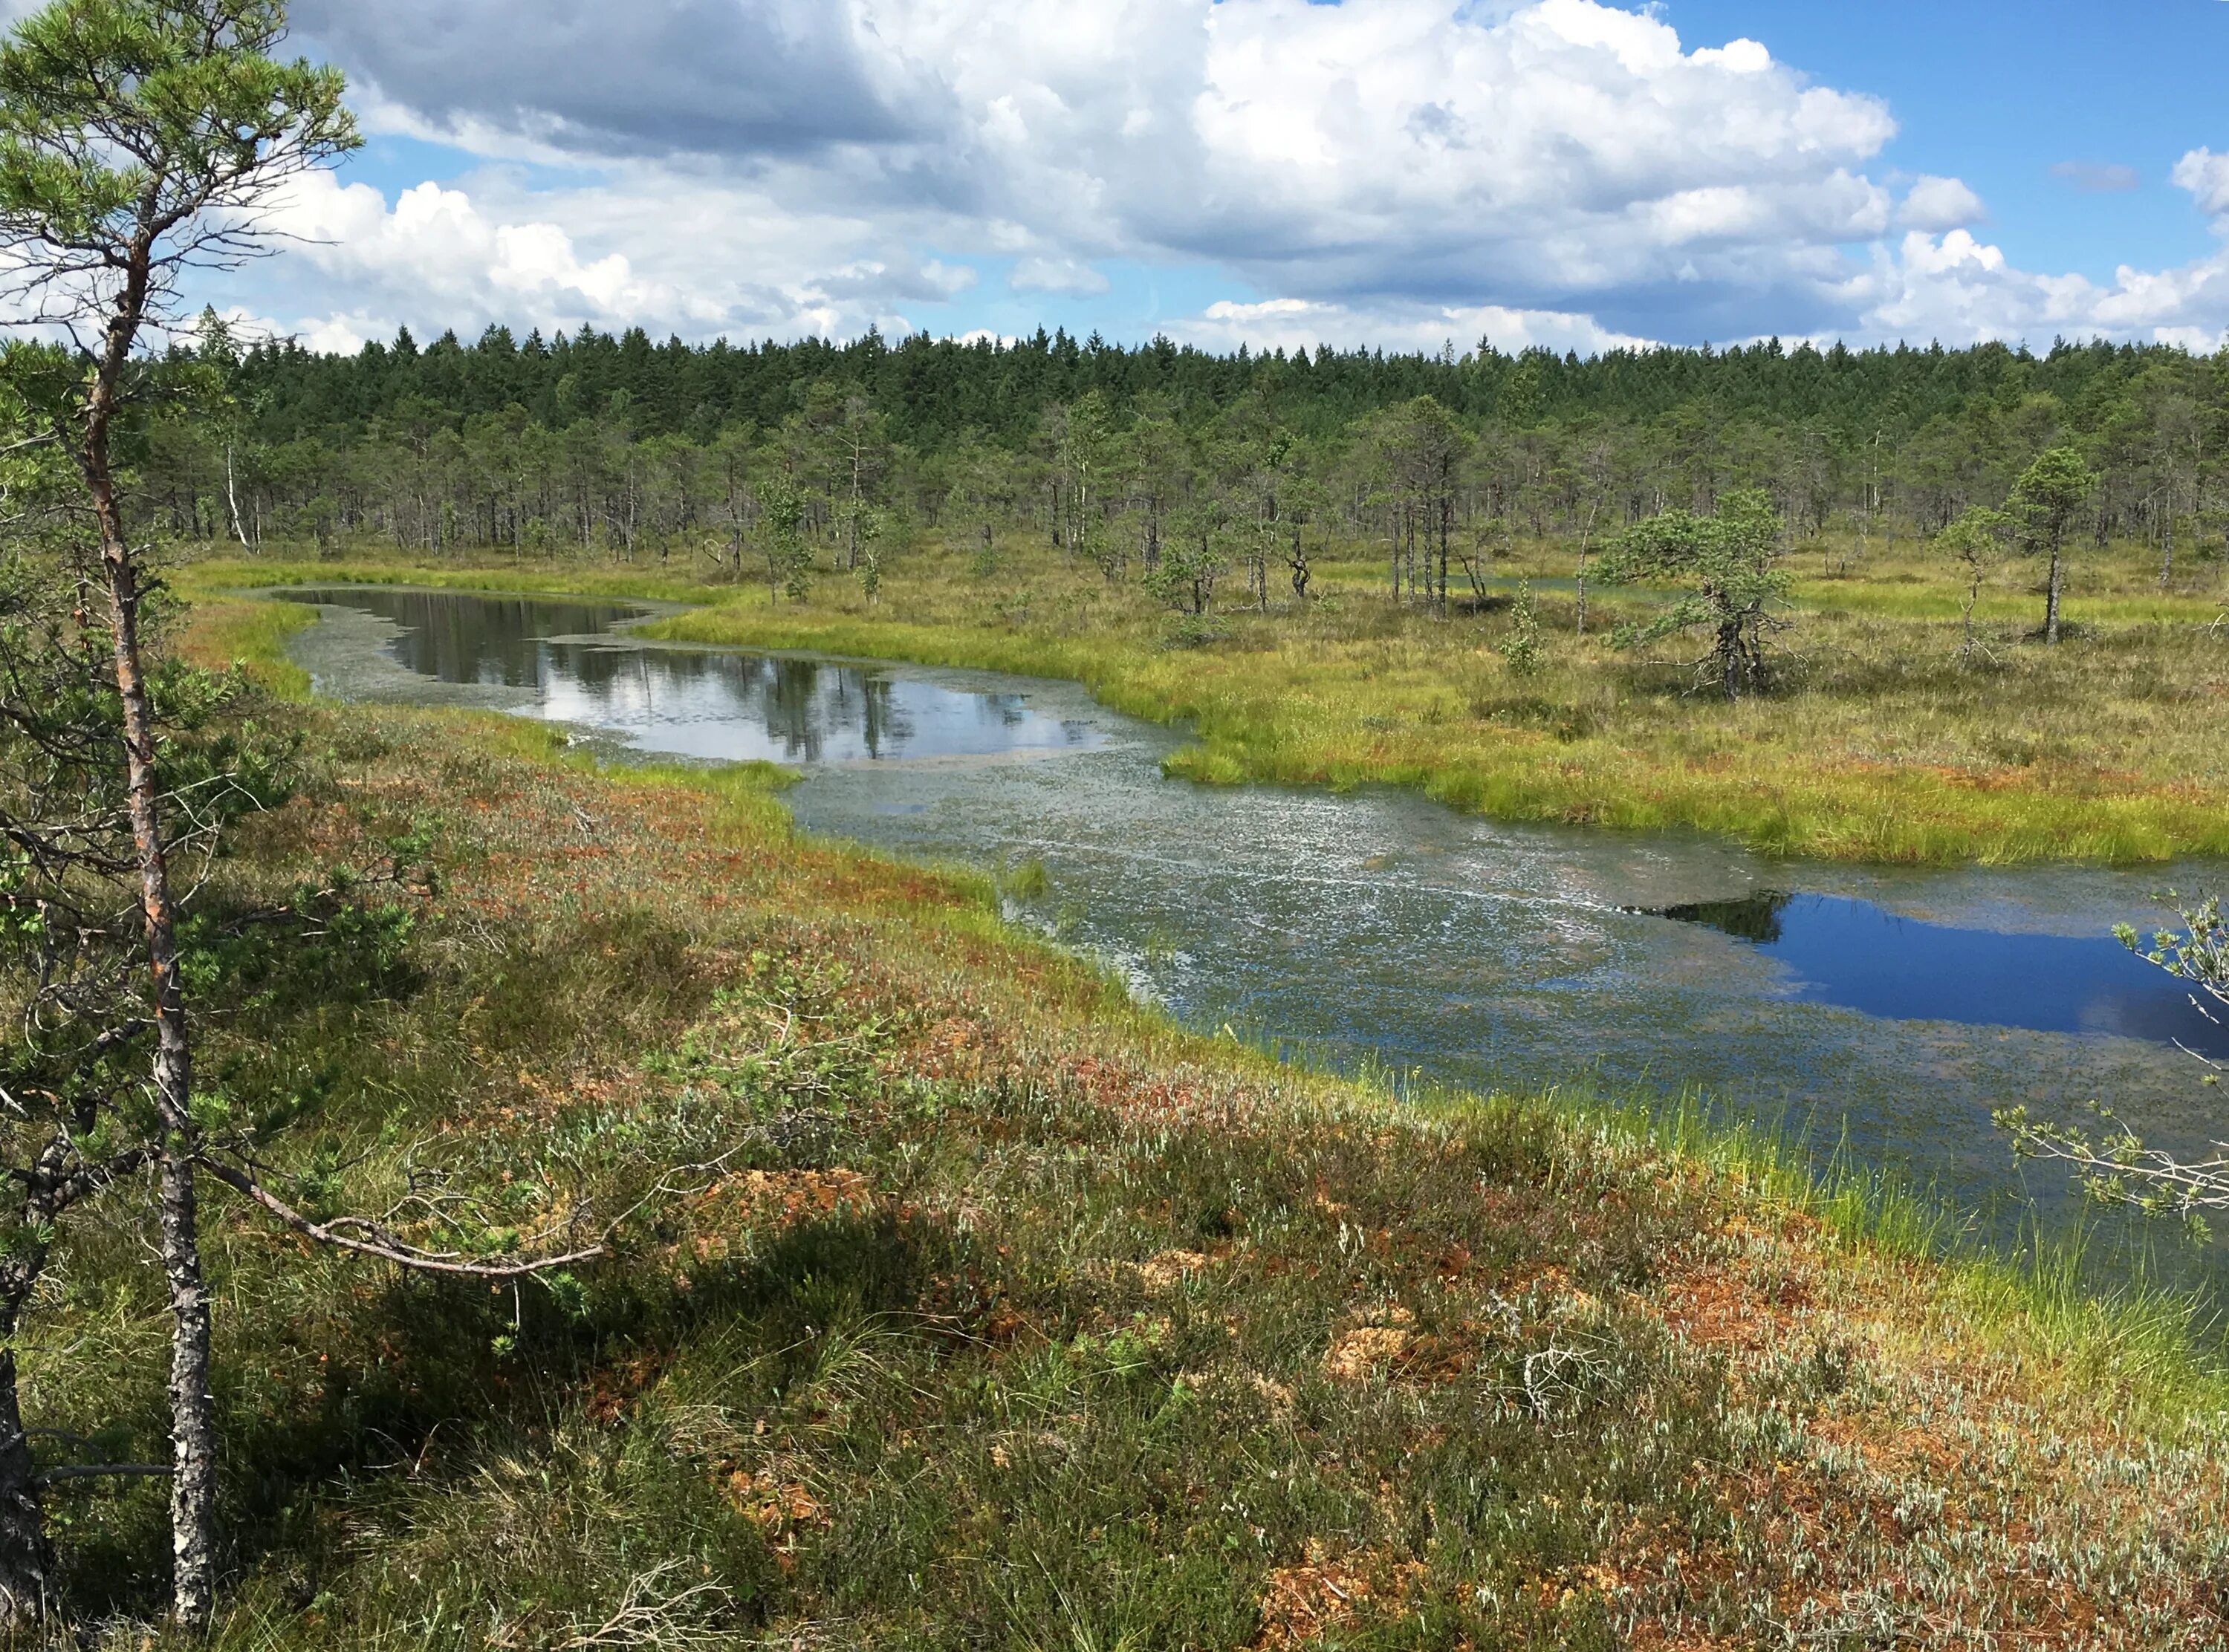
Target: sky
point(1398, 173)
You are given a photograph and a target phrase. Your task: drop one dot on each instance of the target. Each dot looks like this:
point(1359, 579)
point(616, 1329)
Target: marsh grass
point(2088, 1289)
point(1021, 1319)
point(1879, 744)
point(250, 634)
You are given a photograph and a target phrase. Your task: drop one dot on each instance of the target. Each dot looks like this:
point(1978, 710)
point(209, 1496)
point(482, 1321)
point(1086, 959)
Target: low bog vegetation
point(981, 1309)
point(1885, 738)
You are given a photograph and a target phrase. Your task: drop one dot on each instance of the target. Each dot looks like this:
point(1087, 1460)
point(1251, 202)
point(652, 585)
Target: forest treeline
point(1142, 456)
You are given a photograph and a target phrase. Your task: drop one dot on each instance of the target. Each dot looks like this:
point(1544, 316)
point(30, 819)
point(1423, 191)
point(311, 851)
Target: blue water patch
point(1860, 956)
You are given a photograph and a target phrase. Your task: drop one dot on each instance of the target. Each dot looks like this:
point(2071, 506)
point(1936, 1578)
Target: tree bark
point(25, 1560)
point(1731, 658)
point(1586, 538)
point(852, 545)
point(232, 500)
point(1447, 514)
point(193, 1504)
point(2051, 599)
point(193, 1409)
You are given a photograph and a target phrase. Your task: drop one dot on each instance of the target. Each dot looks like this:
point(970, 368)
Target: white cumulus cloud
point(1957, 288)
point(1298, 323)
point(610, 255)
point(1936, 204)
point(2205, 175)
point(1572, 168)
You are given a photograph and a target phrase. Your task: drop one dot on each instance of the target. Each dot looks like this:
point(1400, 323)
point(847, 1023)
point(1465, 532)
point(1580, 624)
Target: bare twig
point(649, 1616)
point(384, 1246)
point(102, 1470)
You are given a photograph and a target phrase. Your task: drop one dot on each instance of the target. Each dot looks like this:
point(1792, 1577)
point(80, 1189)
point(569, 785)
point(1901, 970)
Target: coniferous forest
point(615, 443)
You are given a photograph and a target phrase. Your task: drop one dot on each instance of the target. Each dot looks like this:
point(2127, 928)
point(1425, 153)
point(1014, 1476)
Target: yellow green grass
point(651, 581)
point(1883, 746)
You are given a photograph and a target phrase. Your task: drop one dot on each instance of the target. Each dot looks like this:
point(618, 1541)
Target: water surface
point(1859, 955)
point(1886, 1011)
point(570, 662)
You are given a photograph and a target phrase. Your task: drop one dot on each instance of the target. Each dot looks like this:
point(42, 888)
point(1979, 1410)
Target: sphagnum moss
point(1020, 1318)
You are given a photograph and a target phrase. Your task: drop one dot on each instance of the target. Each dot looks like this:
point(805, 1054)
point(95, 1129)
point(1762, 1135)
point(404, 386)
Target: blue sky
point(2000, 91)
point(1271, 171)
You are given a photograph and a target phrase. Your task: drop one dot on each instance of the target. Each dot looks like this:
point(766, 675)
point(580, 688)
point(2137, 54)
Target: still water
point(569, 662)
point(1883, 1012)
point(1863, 956)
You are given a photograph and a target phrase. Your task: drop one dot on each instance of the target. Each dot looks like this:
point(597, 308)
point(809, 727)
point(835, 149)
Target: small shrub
point(1198, 631)
point(1521, 646)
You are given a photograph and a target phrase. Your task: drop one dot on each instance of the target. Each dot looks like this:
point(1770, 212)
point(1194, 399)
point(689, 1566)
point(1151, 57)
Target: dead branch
point(101, 1470)
point(652, 1612)
point(382, 1245)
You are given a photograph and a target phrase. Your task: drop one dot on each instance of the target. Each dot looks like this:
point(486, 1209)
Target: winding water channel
point(1885, 1010)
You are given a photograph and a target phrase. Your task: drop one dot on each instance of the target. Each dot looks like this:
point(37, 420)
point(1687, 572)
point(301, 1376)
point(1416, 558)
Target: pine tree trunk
point(2050, 600)
point(193, 1504)
point(25, 1560)
point(193, 1409)
point(1447, 513)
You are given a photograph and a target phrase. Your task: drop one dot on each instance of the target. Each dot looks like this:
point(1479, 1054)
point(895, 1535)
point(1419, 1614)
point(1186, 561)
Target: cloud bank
point(1402, 171)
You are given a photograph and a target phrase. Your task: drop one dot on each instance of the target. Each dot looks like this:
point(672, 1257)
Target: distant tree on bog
point(1728, 566)
point(1976, 539)
point(2047, 499)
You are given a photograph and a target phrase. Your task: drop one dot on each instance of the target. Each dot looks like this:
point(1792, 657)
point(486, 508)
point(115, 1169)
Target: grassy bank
point(1012, 1317)
point(1883, 746)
